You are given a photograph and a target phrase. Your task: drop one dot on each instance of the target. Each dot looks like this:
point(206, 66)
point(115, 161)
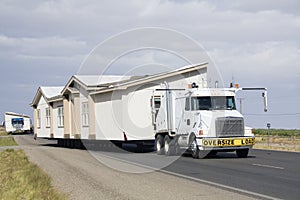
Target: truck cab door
point(187, 118)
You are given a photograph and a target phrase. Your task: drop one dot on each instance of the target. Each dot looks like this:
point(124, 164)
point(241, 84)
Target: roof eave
point(125, 85)
point(36, 97)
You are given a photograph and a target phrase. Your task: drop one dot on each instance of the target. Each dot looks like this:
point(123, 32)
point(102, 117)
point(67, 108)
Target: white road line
point(268, 166)
point(197, 179)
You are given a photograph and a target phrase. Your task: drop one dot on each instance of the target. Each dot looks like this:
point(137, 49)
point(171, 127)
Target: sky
point(252, 42)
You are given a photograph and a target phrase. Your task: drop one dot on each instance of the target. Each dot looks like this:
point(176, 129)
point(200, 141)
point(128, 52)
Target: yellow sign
point(228, 142)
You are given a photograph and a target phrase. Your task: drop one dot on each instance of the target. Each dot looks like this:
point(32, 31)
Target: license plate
point(229, 142)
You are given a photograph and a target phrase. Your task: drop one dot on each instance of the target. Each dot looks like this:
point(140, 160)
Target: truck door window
point(230, 103)
point(187, 103)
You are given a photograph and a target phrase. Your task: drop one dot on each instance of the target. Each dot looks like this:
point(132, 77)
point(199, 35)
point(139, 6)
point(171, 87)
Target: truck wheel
point(169, 146)
point(160, 144)
point(242, 153)
point(194, 148)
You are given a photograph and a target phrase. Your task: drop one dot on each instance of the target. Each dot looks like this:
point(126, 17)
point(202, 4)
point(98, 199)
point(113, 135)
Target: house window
point(85, 114)
point(38, 119)
point(47, 117)
point(60, 117)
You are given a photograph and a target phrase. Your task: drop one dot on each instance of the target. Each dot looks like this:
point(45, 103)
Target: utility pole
point(269, 126)
point(241, 104)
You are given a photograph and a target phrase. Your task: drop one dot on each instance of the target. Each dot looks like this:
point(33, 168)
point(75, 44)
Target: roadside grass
point(21, 179)
point(2, 129)
point(280, 139)
point(278, 132)
point(7, 141)
point(3, 133)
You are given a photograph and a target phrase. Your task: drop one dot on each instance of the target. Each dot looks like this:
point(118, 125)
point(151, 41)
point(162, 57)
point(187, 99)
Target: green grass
point(21, 179)
point(278, 132)
point(7, 141)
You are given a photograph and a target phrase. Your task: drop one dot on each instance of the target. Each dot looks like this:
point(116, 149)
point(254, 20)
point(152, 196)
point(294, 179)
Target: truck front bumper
point(231, 143)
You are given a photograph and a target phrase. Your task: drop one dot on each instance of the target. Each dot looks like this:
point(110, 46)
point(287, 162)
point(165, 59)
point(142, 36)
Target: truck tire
point(169, 146)
point(160, 144)
point(196, 152)
point(194, 148)
point(242, 153)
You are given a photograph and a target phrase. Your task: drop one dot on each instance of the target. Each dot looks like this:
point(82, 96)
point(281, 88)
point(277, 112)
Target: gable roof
point(98, 83)
point(106, 83)
point(93, 82)
point(49, 93)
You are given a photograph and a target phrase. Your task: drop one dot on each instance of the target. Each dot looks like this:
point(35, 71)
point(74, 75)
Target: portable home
point(16, 122)
point(48, 112)
point(116, 108)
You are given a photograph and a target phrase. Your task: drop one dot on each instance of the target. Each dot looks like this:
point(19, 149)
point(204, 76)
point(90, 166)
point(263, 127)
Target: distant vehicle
point(17, 123)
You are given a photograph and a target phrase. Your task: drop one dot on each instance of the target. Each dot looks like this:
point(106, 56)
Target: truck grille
point(18, 126)
point(229, 126)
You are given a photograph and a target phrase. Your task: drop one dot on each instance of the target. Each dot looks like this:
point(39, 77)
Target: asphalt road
point(79, 175)
point(264, 174)
point(271, 173)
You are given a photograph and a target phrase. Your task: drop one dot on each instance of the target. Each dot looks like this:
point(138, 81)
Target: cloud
point(290, 6)
point(256, 41)
point(274, 59)
point(42, 46)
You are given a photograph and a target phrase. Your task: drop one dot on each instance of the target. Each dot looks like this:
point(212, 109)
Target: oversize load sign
point(229, 142)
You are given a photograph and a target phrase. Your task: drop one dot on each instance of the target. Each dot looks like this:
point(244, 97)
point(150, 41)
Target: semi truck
point(17, 123)
point(200, 120)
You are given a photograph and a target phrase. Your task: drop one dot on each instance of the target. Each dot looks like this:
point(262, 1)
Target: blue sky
point(255, 42)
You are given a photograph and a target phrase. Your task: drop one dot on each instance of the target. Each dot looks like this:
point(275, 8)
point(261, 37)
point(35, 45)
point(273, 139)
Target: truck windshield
point(16, 121)
point(213, 103)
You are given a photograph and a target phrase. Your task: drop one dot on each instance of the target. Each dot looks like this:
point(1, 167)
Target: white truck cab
point(201, 120)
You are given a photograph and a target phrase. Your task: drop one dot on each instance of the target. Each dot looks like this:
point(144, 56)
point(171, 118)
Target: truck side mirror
point(264, 95)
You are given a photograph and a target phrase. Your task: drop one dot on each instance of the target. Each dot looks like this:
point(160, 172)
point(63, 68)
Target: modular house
point(107, 107)
point(48, 112)
point(16, 122)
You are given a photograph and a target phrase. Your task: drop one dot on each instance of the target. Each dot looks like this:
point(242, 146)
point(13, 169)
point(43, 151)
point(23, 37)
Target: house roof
point(104, 83)
point(49, 93)
point(93, 81)
point(155, 77)
point(16, 114)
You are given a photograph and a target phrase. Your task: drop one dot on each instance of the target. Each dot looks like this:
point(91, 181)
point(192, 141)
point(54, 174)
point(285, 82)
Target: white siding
point(42, 130)
point(106, 126)
point(58, 131)
point(83, 99)
point(129, 110)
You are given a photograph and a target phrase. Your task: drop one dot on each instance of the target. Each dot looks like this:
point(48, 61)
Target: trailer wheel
point(242, 153)
point(159, 144)
point(169, 146)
